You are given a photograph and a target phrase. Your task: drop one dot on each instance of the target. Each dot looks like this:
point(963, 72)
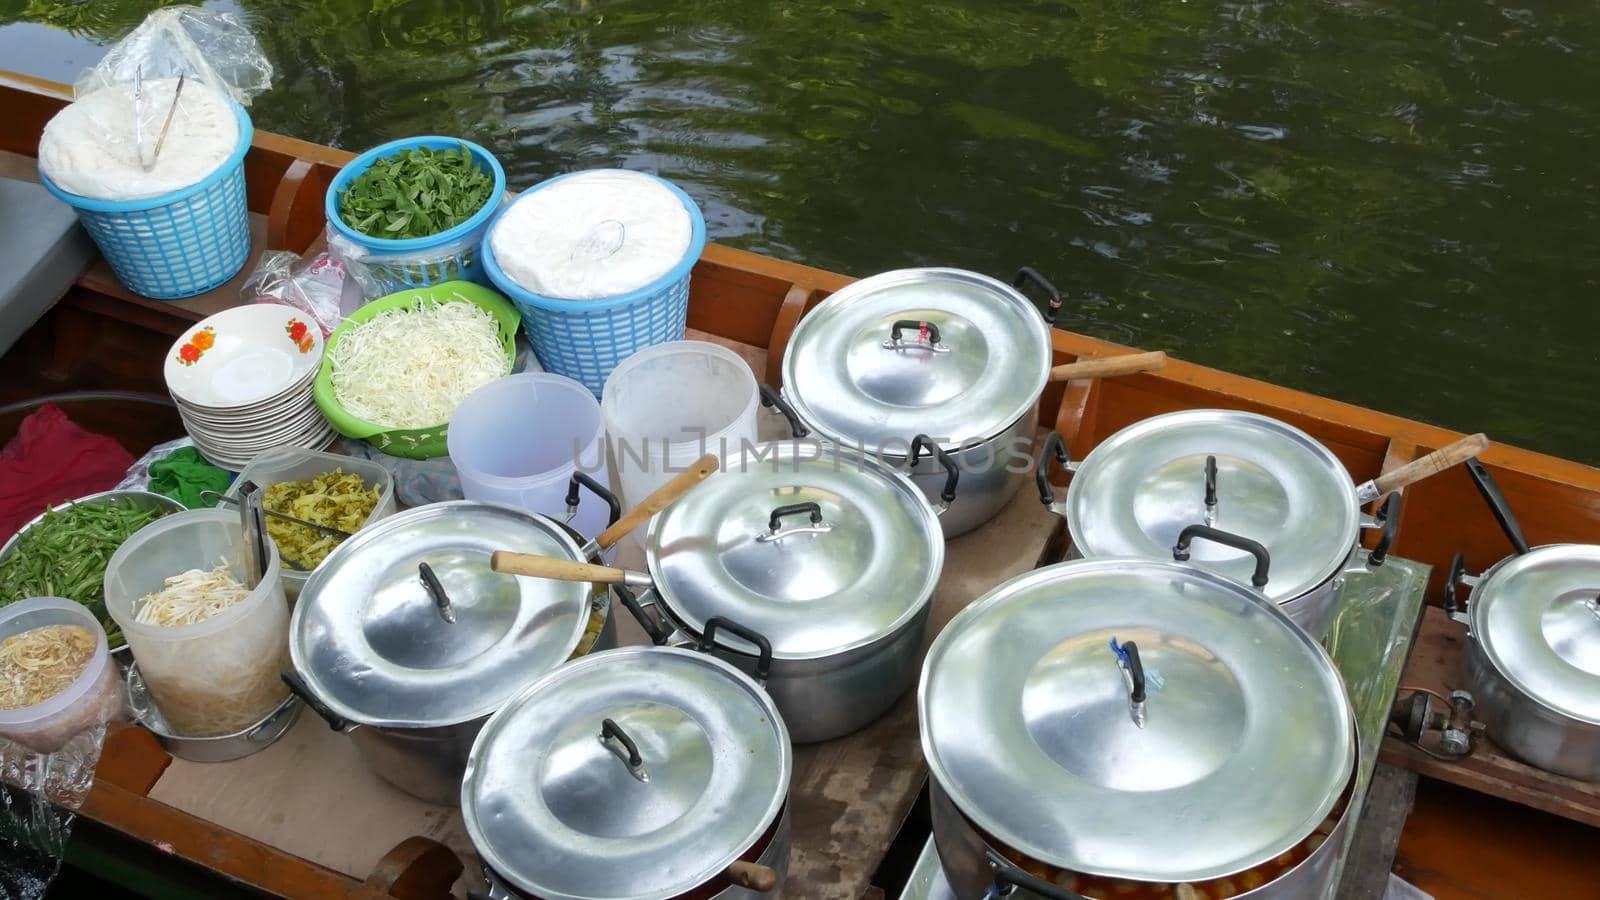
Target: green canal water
point(1391, 202)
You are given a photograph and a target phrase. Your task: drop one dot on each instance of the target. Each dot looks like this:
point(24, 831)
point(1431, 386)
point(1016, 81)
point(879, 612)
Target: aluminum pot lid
point(553, 803)
point(1538, 620)
point(1275, 484)
point(370, 641)
point(1028, 722)
point(944, 352)
point(855, 555)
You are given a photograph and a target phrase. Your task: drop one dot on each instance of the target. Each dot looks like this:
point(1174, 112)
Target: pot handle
point(596, 488)
point(1389, 517)
point(1056, 447)
point(1028, 274)
point(922, 327)
point(771, 399)
point(1008, 879)
point(1490, 490)
point(775, 530)
point(659, 499)
point(952, 471)
point(1453, 607)
point(299, 689)
point(435, 588)
point(657, 632)
point(1180, 550)
point(708, 641)
point(1109, 366)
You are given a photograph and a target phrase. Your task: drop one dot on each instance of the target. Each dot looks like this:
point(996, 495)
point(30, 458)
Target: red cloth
point(51, 460)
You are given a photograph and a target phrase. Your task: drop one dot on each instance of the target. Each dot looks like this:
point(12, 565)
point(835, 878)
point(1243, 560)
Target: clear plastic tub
point(296, 464)
point(668, 405)
point(517, 441)
point(92, 699)
point(220, 675)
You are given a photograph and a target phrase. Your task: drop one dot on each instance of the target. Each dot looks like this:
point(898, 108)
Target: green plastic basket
point(410, 443)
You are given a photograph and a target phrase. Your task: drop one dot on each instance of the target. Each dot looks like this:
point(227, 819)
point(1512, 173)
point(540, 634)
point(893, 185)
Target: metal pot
point(633, 774)
point(1533, 646)
point(215, 748)
point(1123, 727)
point(828, 556)
point(1250, 487)
point(407, 640)
point(953, 354)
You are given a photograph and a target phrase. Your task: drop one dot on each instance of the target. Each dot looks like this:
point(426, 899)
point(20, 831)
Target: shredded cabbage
point(411, 367)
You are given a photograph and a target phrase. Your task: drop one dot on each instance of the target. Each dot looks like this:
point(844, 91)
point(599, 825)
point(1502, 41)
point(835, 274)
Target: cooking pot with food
point(1231, 491)
point(1130, 728)
point(642, 773)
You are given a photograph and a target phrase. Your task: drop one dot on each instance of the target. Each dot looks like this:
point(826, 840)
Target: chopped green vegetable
point(65, 553)
point(415, 193)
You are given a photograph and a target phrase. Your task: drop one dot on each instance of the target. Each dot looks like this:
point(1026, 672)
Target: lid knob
point(776, 532)
point(435, 590)
point(927, 336)
point(1211, 490)
point(1133, 674)
point(611, 731)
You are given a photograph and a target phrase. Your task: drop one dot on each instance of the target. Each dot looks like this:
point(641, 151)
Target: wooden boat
point(304, 820)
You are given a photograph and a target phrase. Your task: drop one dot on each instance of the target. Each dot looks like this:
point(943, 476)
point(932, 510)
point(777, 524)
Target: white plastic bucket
point(670, 404)
point(517, 441)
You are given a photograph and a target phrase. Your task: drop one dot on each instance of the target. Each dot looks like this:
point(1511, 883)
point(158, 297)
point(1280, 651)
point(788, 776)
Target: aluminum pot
point(1227, 491)
point(405, 639)
point(1533, 646)
point(952, 354)
point(825, 556)
point(1124, 727)
point(633, 774)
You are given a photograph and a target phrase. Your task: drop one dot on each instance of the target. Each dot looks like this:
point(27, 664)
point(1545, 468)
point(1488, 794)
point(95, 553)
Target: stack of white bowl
point(242, 381)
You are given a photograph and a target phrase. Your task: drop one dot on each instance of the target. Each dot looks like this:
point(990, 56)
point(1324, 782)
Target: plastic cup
point(92, 699)
point(668, 405)
point(517, 441)
point(219, 675)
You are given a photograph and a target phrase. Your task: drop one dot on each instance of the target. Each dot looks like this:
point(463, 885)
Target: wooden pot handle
point(1432, 464)
point(752, 876)
point(658, 500)
point(511, 563)
point(1110, 367)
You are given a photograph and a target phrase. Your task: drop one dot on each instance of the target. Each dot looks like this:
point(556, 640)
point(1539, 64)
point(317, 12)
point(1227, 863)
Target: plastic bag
point(204, 45)
point(380, 274)
point(319, 286)
point(36, 814)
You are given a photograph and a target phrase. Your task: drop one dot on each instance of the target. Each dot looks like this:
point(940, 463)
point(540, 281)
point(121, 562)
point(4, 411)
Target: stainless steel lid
point(1028, 721)
point(1538, 620)
point(1275, 484)
point(369, 639)
point(952, 354)
point(554, 804)
point(819, 550)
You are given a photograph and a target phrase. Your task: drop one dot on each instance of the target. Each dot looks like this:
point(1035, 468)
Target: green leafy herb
point(415, 193)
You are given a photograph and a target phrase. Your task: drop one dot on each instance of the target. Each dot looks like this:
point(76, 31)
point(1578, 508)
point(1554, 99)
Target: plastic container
point(220, 675)
point(586, 339)
point(178, 244)
point(295, 464)
point(668, 405)
point(92, 699)
point(450, 255)
point(518, 440)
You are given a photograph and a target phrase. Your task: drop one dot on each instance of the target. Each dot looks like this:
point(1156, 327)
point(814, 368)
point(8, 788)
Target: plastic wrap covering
point(37, 805)
point(203, 45)
point(318, 286)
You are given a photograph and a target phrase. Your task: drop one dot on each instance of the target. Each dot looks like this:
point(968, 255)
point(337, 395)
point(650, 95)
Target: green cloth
point(183, 474)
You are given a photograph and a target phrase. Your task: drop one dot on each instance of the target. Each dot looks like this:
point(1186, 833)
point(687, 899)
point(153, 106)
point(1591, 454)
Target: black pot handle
point(1389, 517)
point(596, 488)
point(1008, 876)
point(812, 508)
point(435, 589)
point(299, 689)
point(709, 641)
point(1211, 482)
point(657, 631)
point(611, 731)
point(1027, 275)
point(1452, 581)
point(1490, 490)
point(918, 325)
point(1180, 550)
point(1053, 446)
point(771, 399)
point(952, 471)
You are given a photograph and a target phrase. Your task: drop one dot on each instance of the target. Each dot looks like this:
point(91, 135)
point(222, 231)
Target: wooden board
point(1437, 662)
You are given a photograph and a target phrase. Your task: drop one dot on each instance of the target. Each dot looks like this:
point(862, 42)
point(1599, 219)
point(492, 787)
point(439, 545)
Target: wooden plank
point(1377, 839)
point(1437, 663)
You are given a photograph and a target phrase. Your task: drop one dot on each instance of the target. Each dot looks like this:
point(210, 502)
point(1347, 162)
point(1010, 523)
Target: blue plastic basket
point(407, 263)
point(585, 339)
point(178, 244)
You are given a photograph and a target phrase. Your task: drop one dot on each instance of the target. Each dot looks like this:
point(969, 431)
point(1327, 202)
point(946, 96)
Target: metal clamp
point(775, 531)
point(927, 336)
point(611, 731)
